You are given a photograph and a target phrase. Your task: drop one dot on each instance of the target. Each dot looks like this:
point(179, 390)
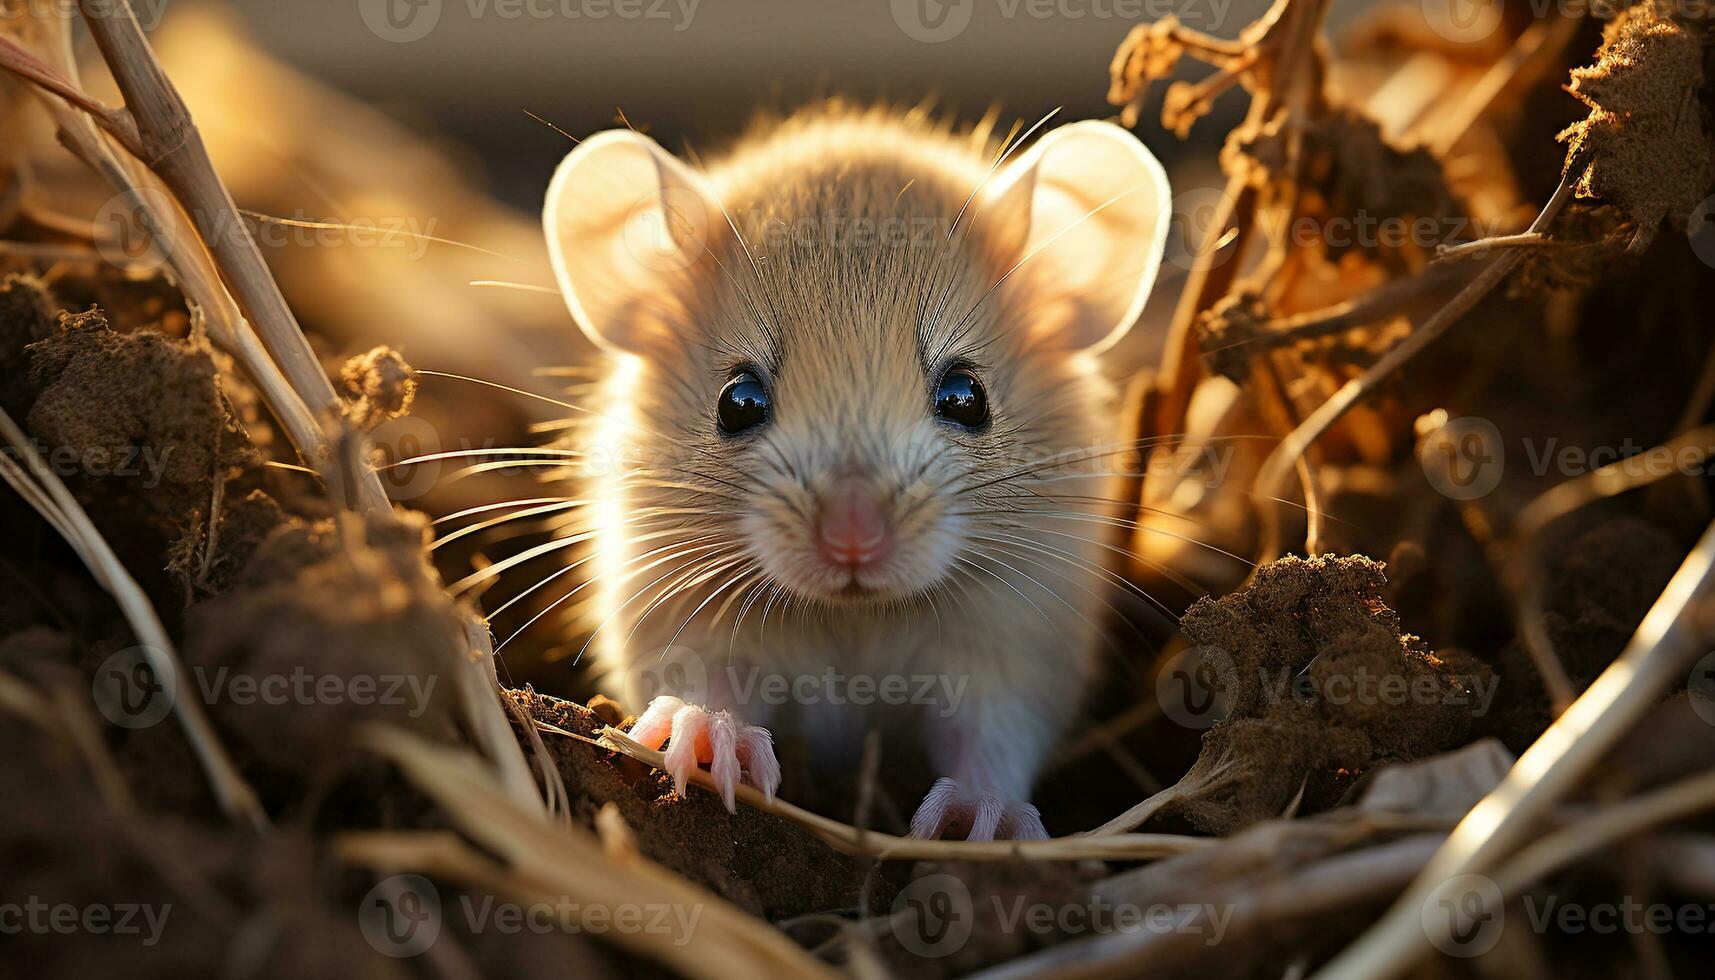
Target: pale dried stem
point(55, 503)
point(1658, 657)
point(1271, 477)
point(868, 843)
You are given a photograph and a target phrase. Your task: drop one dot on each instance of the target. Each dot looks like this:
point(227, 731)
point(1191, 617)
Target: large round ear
point(626, 222)
point(1096, 205)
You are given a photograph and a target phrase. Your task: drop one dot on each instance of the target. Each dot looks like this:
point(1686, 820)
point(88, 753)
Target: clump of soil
point(1601, 580)
point(1647, 137)
point(345, 605)
point(380, 386)
point(754, 860)
point(26, 316)
point(134, 423)
point(1321, 686)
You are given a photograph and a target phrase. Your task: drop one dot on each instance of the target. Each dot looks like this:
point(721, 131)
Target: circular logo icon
point(1464, 458)
point(1463, 21)
point(676, 670)
point(1192, 687)
point(1700, 687)
point(668, 230)
point(1700, 228)
point(932, 21)
point(1464, 915)
point(397, 448)
point(1196, 234)
point(933, 916)
point(125, 229)
point(400, 21)
point(130, 692)
point(401, 915)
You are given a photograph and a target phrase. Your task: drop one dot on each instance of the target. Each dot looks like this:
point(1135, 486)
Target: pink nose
point(853, 530)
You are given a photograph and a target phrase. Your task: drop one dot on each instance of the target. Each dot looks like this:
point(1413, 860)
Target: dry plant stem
point(868, 843)
point(199, 281)
point(1387, 300)
point(1271, 478)
point(1553, 504)
point(27, 66)
point(571, 863)
point(1606, 827)
point(1530, 54)
point(168, 142)
point(1485, 246)
point(233, 793)
point(1657, 658)
point(1256, 910)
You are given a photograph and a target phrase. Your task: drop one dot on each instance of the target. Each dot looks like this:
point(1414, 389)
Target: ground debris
point(1320, 686)
point(1647, 139)
point(380, 386)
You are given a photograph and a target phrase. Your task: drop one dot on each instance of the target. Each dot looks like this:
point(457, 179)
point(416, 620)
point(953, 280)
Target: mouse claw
point(987, 815)
point(656, 723)
point(694, 735)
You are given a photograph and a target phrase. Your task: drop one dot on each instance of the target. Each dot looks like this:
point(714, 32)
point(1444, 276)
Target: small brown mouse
point(849, 467)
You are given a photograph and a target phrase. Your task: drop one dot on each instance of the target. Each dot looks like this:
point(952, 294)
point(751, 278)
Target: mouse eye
point(743, 404)
point(961, 399)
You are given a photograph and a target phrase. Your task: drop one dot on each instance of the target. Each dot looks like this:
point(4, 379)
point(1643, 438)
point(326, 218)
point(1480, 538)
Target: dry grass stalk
point(156, 128)
point(1271, 478)
point(1656, 659)
point(48, 495)
point(1111, 846)
point(568, 863)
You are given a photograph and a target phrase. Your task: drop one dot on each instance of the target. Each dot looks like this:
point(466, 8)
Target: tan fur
point(850, 335)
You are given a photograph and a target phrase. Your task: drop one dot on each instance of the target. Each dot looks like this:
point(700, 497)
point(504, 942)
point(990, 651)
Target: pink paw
point(986, 815)
point(696, 735)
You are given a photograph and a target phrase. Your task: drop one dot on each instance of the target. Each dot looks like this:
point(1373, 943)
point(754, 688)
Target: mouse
point(849, 462)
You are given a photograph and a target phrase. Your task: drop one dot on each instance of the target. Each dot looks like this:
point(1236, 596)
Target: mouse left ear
point(1096, 206)
point(626, 223)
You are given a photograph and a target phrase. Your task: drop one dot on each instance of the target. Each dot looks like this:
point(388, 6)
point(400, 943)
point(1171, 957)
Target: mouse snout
point(851, 527)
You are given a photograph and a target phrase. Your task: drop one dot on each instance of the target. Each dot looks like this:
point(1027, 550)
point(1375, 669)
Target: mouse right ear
point(625, 223)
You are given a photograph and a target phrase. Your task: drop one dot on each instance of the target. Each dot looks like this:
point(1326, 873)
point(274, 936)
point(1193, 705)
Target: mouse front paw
point(694, 735)
point(985, 816)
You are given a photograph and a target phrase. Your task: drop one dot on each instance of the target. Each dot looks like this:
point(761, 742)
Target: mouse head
point(854, 347)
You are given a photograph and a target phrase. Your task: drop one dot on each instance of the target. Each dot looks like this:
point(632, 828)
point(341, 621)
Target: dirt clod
point(1321, 686)
point(381, 386)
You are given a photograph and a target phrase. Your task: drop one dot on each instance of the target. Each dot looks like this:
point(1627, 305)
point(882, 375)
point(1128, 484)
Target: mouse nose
point(852, 530)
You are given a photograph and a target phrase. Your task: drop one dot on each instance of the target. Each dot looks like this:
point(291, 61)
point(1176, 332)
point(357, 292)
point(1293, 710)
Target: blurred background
point(696, 70)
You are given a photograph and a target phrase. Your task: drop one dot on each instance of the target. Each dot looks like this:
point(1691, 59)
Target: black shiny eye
point(961, 399)
point(743, 404)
